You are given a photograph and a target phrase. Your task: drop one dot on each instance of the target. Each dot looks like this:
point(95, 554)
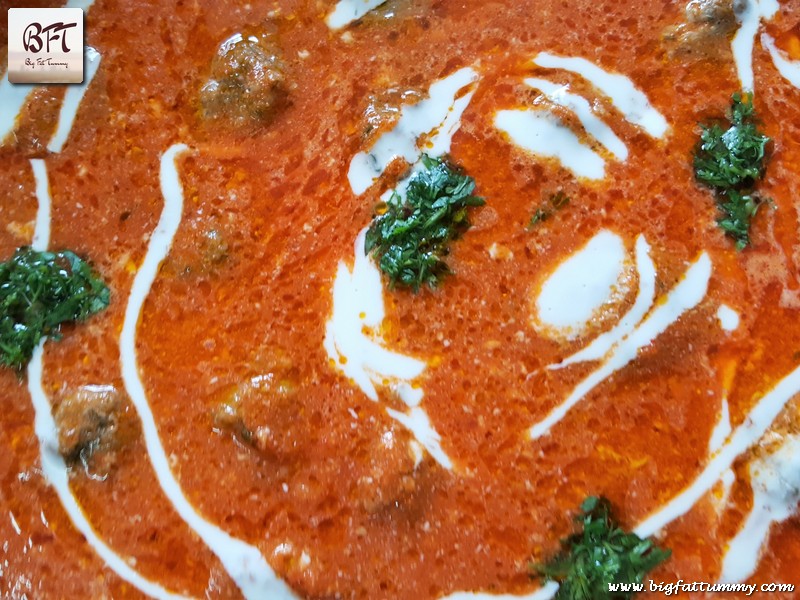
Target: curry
point(271, 407)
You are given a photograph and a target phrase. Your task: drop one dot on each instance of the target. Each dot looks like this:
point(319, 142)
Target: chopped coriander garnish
point(411, 234)
point(600, 554)
point(38, 292)
point(737, 210)
point(557, 201)
point(538, 216)
point(733, 158)
point(730, 162)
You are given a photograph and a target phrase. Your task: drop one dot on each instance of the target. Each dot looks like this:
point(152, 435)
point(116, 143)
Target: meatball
point(706, 32)
point(391, 11)
point(88, 422)
point(717, 14)
point(261, 412)
point(387, 471)
point(247, 85)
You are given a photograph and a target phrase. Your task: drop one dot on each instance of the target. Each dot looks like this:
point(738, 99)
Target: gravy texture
point(307, 386)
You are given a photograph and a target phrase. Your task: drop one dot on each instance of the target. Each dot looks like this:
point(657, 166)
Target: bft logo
point(32, 37)
point(45, 45)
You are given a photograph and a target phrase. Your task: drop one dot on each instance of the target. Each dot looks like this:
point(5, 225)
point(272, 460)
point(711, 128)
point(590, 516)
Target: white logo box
point(45, 45)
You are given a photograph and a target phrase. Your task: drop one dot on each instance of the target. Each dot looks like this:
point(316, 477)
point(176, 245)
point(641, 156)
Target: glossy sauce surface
point(330, 492)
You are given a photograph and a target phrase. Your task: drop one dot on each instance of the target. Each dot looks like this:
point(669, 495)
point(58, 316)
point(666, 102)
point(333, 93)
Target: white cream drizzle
point(244, 562)
point(442, 136)
point(593, 125)
point(84, 4)
point(56, 473)
point(12, 99)
point(41, 232)
point(354, 345)
point(726, 484)
point(72, 100)
point(789, 69)
point(749, 18)
point(728, 318)
point(770, 505)
point(684, 296)
point(416, 420)
point(53, 466)
point(541, 132)
point(775, 480)
point(351, 340)
point(14, 95)
point(546, 592)
point(600, 346)
point(722, 429)
point(439, 113)
point(347, 11)
point(629, 100)
point(580, 286)
point(755, 424)
point(409, 394)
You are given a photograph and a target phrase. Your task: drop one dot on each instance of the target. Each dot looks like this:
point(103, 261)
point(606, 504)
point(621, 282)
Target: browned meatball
point(387, 474)
point(88, 422)
point(262, 412)
point(247, 83)
point(706, 32)
point(718, 14)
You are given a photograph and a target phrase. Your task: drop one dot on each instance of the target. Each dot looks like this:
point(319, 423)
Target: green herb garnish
point(557, 201)
point(730, 162)
point(411, 235)
point(600, 555)
point(38, 292)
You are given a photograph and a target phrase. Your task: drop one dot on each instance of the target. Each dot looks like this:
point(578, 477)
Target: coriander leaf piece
point(599, 555)
point(411, 234)
point(734, 157)
point(538, 216)
point(38, 292)
point(557, 201)
point(731, 161)
point(736, 212)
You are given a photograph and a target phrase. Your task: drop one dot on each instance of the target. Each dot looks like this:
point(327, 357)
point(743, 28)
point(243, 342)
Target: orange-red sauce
point(280, 200)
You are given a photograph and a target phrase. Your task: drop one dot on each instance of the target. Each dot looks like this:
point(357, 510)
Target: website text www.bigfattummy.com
point(675, 588)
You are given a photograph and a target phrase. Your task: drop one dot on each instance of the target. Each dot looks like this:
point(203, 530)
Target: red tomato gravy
point(246, 291)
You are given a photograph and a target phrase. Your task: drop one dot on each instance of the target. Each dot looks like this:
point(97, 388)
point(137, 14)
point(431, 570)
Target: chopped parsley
point(557, 201)
point(38, 292)
point(411, 234)
point(731, 161)
point(600, 554)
